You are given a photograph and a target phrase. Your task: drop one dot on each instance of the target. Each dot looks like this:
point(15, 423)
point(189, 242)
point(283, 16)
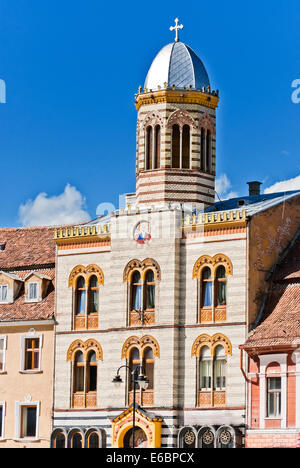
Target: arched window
point(157, 148)
point(76, 440)
point(59, 440)
point(206, 438)
point(79, 373)
point(80, 296)
point(150, 290)
point(85, 374)
point(211, 353)
point(136, 291)
point(186, 147)
point(212, 281)
point(208, 151)
point(219, 368)
point(92, 372)
point(134, 362)
point(221, 286)
point(207, 289)
point(141, 356)
point(175, 146)
point(205, 369)
point(203, 155)
point(93, 303)
point(93, 440)
point(148, 364)
point(187, 438)
point(149, 147)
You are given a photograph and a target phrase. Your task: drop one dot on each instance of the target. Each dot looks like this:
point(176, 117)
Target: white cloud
point(285, 185)
point(67, 208)
point(223, 186)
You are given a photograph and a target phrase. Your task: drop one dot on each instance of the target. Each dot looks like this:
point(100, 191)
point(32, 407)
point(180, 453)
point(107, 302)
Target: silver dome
point(177, 64)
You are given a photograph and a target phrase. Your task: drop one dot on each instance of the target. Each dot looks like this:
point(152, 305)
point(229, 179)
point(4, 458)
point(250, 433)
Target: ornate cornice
point(210, 100)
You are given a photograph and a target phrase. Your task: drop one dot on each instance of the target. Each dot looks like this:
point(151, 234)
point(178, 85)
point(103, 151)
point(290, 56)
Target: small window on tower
point(2, 247)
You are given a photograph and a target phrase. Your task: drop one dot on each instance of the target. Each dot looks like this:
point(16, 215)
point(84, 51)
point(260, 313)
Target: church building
point(153, 301)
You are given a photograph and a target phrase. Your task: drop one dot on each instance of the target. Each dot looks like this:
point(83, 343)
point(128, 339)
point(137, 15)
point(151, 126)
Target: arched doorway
point(140, 438)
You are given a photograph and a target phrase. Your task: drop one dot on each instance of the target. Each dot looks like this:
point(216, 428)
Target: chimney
point(254, 188)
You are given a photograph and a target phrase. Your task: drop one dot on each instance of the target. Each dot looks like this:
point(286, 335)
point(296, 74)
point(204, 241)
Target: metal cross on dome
point(176, 28)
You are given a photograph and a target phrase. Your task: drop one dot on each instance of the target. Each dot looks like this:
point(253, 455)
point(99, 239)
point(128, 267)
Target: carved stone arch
point(130, 267)
point(86, 272)
point(181, 117)
point(213, 263)
point(93, 345)
point(221, 340)
point(153, 118)
point(149, 342)
point(211, 342)
point(221, 259)
point(201, 263)
point(140, 343)
point(79, 270)
point(132, 342)
point(207, 122)
point(94, 270)
point(199, 343)
point(85, 348)
point(149, 263)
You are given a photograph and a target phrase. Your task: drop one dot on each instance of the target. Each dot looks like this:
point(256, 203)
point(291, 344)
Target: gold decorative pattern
point(146, 341)
point(203, 98)
point(213, 263)
point(86, 272)
point(143, 266)
point(85, 347)
point(211, 342)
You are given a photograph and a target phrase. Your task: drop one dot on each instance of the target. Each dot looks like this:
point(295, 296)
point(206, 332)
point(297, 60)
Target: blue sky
point(71, 68)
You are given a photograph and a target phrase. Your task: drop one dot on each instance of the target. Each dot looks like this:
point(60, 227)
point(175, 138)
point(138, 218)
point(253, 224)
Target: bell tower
point(176, 130)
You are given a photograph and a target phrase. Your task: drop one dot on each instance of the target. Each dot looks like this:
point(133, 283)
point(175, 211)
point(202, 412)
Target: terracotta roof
point(21, 310)
point(281, 314)
point(26, 247)
point(28, 250)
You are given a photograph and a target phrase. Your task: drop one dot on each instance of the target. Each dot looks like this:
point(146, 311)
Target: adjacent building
point(274, 359)
point(27, 299)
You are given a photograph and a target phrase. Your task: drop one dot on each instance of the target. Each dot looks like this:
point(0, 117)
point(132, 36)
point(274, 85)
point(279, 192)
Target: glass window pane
point(29, 421)
point(77, 441)
point(92, 379)
point(94, 282)
point(81, 302)
point(137, 297)
point(222, 293)
point(1, 355)
point(150, 302)
point(1, 417)
point(207, 294)
point(32, 291)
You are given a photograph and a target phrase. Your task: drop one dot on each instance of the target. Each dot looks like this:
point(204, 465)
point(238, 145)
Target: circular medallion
point(142, 232)
point(225, 437)
point(208, 437)
point(189, 437)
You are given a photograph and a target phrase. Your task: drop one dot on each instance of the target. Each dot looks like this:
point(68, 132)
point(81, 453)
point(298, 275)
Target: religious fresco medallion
point(142, 232)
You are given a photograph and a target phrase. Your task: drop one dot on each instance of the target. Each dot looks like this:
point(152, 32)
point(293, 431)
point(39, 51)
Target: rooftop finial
point(176, 28)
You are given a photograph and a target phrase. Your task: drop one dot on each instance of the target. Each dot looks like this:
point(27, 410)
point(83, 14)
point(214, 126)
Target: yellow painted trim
point(123, 423)
point(177, 96)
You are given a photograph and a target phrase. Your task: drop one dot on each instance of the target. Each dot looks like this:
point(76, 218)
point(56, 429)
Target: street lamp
point(138, 379)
